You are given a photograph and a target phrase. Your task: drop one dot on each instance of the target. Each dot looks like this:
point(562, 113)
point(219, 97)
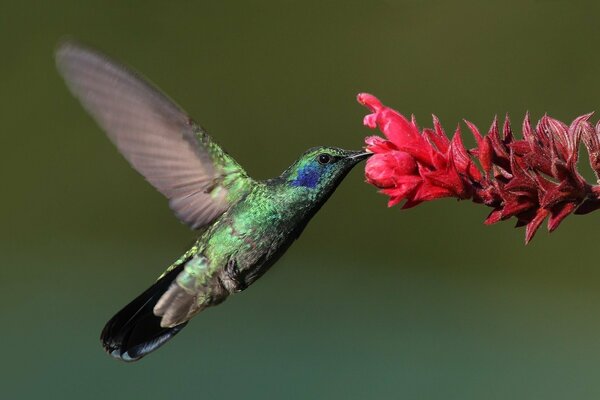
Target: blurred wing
point(157, 138)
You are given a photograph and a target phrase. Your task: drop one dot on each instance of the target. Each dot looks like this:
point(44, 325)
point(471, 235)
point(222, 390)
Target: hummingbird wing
point(157, 137)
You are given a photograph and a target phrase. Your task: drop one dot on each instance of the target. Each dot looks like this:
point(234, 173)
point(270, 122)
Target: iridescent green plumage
point(246, 224)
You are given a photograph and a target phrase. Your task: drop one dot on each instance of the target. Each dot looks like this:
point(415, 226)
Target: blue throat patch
point(308, 177)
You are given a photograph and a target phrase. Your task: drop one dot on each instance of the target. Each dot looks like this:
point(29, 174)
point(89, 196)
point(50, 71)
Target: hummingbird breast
point(251, 236)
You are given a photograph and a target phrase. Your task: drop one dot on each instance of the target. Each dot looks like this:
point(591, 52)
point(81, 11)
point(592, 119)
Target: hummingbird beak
point(359, 155)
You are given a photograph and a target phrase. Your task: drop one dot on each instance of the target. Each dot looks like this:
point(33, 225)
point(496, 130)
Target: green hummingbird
point(244, 225)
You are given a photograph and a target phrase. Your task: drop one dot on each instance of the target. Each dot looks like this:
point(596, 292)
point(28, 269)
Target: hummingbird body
point(247, 239)
point(246, 225)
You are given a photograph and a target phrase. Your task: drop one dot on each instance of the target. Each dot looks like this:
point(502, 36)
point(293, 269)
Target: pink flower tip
point(369, 101)
point(370, 121)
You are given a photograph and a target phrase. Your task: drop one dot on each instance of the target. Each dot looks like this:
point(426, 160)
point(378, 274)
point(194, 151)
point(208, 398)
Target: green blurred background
point(371, 302)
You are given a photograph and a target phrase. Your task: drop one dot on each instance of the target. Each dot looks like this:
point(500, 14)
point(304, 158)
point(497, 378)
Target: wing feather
point(156, 136)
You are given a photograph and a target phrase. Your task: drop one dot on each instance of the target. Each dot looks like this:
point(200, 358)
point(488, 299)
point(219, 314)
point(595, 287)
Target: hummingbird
point(244, 225)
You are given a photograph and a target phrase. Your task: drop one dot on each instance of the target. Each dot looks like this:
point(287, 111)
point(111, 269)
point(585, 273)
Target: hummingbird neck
point(301, 194)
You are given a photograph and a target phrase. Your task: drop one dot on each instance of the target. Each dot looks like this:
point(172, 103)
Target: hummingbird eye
point(324, 158)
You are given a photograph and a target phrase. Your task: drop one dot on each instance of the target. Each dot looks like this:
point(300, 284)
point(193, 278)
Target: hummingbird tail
point(135, 331)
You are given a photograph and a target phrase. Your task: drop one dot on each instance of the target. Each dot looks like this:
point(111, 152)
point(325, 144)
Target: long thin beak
point(360, 155)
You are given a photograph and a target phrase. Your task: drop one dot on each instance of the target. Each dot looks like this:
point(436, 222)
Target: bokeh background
point(372, 302)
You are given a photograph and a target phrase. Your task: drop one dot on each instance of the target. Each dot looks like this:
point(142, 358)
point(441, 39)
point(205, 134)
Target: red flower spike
point(484, 148)
point(591, 138)
point(495, 216)
point(559, 213)
point(507, 130)
point(531, 179)
point(535, 223)
point(461, 157)
point(442, 141)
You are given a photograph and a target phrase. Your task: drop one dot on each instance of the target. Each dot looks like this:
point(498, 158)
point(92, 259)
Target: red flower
point(529, 179)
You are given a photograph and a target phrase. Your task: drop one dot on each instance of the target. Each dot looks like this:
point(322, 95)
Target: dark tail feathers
point(135, 331)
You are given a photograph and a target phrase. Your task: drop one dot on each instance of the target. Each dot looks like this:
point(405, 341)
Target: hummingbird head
point(319, 171)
